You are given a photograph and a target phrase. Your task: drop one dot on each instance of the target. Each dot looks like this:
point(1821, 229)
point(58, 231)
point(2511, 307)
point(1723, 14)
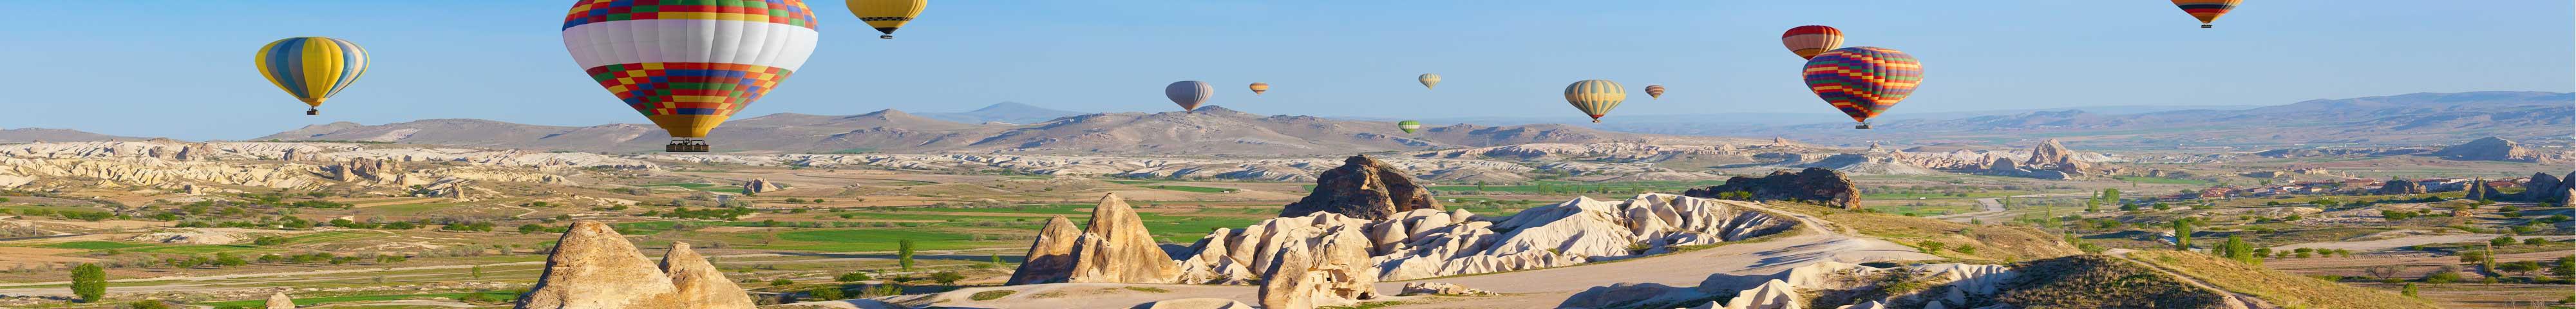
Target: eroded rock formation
point(1330, 268)
point(280, 301)
point(1194, 303)
point(1114, 248)
point(2551, 189)
point(2494, 149)
point(1438, 288)
point(1362, 188)
point(759, 185)
point(595, 268)
point(1826, 284)
point(1817, 185)
point(2401, 186)
point(1426, 243)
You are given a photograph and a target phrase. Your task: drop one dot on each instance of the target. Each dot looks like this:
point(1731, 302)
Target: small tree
point(89, 282)
point(1932, 246)
point(825, 293)
point(2566, 267)
point(2237, 249)
point(2501, 241)
point(903, 254)
point(781, 282)
point(852, 277)
point(478, 271)
point(2182, 234)
point(2409, 290)
point(2523, 267)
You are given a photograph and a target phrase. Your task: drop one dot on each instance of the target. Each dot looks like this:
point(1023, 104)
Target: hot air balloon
point(1655, 91)
point(1188, 94)
point(1863, 81)
point(2207, 10)
point(1595, 97)
point(1408, 125)
point(885, 15)
point(1429, 80)
point(1258, 88)
point(689, 67)
point(1807, 41)
point(311, 68)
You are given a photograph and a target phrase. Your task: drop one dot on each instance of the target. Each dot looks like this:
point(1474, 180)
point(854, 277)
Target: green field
point(698, 186)
point(309, 301)
point(1132, 182)
point(2164, 181)
point(874, 239)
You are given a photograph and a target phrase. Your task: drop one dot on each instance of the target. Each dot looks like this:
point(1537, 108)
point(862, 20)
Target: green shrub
point(991, 295)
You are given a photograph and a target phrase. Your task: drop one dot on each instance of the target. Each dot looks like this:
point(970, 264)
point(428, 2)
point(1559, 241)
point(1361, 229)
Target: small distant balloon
point(1429, 80)
point(1595, 97)
point(311, 68)
point(1809, 40)
point(1863, 81)
point(1408, 126)
point(1258, 88)
point(1188, 94)
point(1655, 91)
point(885, 15)
point(2207, 10)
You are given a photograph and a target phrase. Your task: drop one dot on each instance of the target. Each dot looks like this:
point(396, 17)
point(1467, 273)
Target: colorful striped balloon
point(1408, 126)
point(1863, 81)
point(691, 66)
point(1655, 91)
point(2207, 10)
point(1595, 97)
point(1809, 40)
point(1428, 80)
point(1189, 94)
point(311, 68)
point(1258, 88)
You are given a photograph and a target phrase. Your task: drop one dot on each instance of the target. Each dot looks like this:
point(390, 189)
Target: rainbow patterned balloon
point(689, 65)
point(2207, 10)
point(311, 68)
point(1863, 81)
point(1809, 40)
point(1595, 97)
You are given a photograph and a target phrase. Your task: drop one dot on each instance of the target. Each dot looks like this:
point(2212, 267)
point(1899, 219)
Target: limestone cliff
point(1363, 188)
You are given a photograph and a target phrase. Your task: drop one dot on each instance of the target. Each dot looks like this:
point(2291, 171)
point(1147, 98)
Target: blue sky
point(182, 68)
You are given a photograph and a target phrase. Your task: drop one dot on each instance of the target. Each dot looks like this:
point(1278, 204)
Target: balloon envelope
point(1655, 91)
point(1408, 126)
point(2207, 10)
point(1809, 40)
point(311, 68)
point(885, 15)
point(1863, 81)
point(1258, 88)
point(1429, 80)
point(1188, 93)
point(689, 67)
point(1595, 97)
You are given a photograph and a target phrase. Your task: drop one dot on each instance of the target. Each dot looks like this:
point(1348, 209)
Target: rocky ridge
point(1362, 188)
point(593, 267)
point(1818, 185)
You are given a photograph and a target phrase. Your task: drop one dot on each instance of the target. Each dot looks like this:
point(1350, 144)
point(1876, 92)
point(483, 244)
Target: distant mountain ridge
point(30, 135)
point(1005, 112)
point(1210, 131)
point(2409, 119)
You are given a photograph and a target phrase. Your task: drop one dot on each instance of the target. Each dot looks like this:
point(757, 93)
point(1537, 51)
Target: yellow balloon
point(886, 15)
point(311, 68)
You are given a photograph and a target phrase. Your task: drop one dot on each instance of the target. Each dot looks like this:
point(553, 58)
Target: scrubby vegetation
point(2279, 288)
point(2097, 281)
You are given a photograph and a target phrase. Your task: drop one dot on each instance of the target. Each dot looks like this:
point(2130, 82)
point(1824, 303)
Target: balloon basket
point(889, 37)
point(686, 146)
point(2204, 26)
point(1861, 126)
point(311, 112)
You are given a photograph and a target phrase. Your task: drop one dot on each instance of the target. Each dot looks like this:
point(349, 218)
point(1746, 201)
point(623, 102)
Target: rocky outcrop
point(1438, 288)
point(1113, 248)
point(1817, 185)
point(1362, 188)
point(1194, 303)
point(2493, 149)
point(595, 268)
point(1329, 268)
point(1826, 284)
point(759, 185)
point(280, 301)
point(1427, 243)
point(2551, 189)
point(168, 164)
point(1050, 258)
point(2401, 186)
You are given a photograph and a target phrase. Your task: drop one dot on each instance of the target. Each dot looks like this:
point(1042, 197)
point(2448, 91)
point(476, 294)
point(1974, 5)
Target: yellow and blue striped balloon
point(1595, 97)
point(312, 68)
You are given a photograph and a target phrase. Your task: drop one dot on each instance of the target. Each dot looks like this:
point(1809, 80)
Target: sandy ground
point(1542, 288)
point(13, 256)
point(2392, 243)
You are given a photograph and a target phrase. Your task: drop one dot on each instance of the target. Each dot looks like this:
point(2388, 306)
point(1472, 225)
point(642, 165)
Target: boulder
point(1050, 258)
point(280, 301)
point(2401, 186)
point(1438, 288)
point(758, 185)
point(595, 268)
point(1817, 185)
point(1194, 303)
point(1362, 188)
point(1116, 248)
point(1329, 269)
point(2539, 189)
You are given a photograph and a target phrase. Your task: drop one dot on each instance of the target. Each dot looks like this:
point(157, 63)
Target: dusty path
point(2248, 300)
point(2393, 243)
point(1817, 240)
